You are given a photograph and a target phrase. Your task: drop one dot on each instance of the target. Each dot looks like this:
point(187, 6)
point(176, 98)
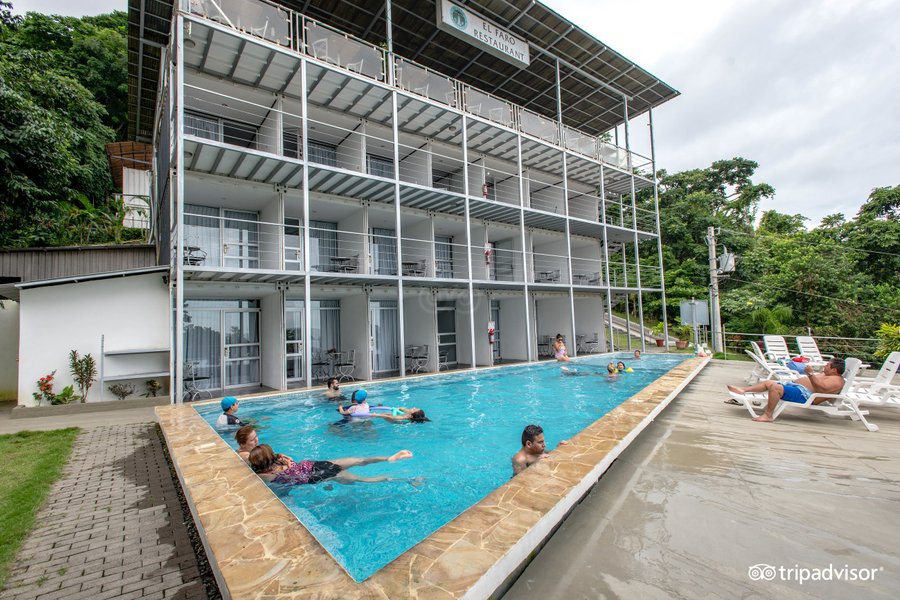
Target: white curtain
point(386, 331)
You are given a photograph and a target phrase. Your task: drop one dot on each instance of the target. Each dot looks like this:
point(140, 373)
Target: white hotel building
point(362, 188)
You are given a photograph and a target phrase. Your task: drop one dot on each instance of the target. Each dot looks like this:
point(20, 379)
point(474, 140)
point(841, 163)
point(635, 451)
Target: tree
point(775, 222)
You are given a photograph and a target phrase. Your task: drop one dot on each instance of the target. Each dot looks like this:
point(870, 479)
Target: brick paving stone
point(111, 527)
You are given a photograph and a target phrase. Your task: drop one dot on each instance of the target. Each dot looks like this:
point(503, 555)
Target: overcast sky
point(809, 89)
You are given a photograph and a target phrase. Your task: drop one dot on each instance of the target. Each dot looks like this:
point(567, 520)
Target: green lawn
point(32, 461)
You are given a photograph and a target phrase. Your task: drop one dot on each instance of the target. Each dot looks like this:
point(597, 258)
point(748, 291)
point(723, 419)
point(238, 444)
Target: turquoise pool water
point(463, 454)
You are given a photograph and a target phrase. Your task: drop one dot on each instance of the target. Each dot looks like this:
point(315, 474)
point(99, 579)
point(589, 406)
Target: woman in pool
point(559, 349)
point(403, 415)
point(278, 468)
point(247, 440)
point(621, 368)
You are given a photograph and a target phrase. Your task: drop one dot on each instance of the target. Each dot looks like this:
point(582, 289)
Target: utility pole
point(715, 317)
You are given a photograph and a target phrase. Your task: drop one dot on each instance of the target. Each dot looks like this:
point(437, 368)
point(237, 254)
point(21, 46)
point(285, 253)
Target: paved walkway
point(112, 526)
point(705, 493)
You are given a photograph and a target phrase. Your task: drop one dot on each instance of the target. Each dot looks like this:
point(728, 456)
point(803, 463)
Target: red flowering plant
point(45, 389)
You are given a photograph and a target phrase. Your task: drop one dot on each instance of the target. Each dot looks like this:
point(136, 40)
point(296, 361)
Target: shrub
point(888, 340)
point(84, 371)
point(121, 390)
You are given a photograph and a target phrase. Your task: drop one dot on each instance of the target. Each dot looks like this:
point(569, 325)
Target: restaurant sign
point(482, 33)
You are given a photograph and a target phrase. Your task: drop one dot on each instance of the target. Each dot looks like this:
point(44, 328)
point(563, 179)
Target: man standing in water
point(533, 446)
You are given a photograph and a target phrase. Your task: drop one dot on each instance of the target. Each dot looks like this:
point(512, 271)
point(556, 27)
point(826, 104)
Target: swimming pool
point(464, 452)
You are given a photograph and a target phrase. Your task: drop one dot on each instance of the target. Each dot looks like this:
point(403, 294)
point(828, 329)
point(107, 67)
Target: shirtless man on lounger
point(830, 381)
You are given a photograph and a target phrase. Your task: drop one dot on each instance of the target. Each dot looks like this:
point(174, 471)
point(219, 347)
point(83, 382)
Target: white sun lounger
point(881, 384)
point(810, 349)
point(842, 404)
point(776, 348)
point(768, 370)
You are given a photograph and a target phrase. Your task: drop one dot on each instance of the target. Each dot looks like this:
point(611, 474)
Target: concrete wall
point(554, 316)
point(419, 322)
point(513, 340)
point(132, 312)
point(589, 318)
point(9, 349)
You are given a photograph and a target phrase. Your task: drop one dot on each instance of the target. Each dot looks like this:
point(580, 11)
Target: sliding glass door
point(293, 338)
point(221, 342)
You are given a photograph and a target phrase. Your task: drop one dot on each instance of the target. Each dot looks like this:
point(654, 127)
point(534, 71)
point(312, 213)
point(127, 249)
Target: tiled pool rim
point(258, 549)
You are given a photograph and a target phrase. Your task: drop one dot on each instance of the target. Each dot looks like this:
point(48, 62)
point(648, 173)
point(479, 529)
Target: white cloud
point(806, 88)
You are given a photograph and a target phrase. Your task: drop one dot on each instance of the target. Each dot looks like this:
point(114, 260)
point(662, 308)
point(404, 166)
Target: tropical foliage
point(840, 278)
point(63, 95)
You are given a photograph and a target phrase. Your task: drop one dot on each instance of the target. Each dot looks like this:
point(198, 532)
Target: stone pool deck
point(705, 493)
point(258, 549)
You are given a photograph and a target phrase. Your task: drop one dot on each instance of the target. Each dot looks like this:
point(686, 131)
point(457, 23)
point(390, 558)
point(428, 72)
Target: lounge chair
point(810, 349)
point(776, 348)
point(842, 404)
point(882, 383)
point(764, 369)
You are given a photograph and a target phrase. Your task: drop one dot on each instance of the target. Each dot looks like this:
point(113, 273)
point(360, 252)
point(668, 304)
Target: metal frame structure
point(567, 185)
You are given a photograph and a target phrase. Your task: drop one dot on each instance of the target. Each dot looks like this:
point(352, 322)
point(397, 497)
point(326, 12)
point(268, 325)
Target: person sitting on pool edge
point(532, 450)
point(403, 415)
point(247, 440)
point(228, 418)
point(358, 404)
point(333, 391)
point(559, 349)
point(278, 468)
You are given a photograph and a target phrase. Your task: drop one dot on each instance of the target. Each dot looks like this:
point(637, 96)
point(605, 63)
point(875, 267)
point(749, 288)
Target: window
point(220, 130)
point(323, 154)
point(443, 256)
point(379, 166)
point(323, 245)
point(292, 142)
point(201, 126)
point(293, 249)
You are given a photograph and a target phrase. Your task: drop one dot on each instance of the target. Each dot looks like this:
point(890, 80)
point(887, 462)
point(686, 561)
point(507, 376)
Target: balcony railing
point(301, 34)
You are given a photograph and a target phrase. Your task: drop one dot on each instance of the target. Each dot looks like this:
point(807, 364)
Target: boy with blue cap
point(358, 404)
point(228, 418)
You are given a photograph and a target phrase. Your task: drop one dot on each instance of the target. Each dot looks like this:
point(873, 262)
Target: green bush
point(888, 340)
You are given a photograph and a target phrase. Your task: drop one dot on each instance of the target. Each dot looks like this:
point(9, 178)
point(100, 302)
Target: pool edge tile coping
point(257, 547)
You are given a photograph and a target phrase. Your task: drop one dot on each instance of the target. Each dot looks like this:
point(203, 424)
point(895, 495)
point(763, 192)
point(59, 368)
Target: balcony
point(302, 35)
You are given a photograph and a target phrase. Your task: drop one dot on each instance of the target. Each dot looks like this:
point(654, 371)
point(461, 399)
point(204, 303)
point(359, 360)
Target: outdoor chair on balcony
point(419, 360)
point(194, 256)
point(346, 366)
point(319, 50)
point(592, 346)
point(548, 276)
point(356, 66)
point(594, 278)
point(416, 268)
point(350, 266)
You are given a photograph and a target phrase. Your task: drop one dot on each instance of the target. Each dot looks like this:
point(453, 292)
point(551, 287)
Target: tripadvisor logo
point(458, 16)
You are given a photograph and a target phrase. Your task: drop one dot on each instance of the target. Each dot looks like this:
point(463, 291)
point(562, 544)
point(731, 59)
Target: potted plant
point(684, 334)
point(659, 332)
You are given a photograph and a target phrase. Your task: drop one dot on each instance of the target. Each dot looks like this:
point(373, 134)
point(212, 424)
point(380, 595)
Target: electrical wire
point(775, 287)
point(811, 243)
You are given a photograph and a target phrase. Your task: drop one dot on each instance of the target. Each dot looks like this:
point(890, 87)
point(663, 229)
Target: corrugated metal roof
point(39, 264)
point(588, 106)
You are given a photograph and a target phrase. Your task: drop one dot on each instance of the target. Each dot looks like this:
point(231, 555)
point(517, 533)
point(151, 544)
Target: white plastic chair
point(810, 349)
point(776, 348)
point(768, 370)
point(882, 383)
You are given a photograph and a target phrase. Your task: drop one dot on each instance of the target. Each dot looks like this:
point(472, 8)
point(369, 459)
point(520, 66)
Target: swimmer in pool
point(278, 468)
point(403, 415)
point(358, 404)
point(620, 367)
point(333, 391)
point(532, 450)
point(611, 372)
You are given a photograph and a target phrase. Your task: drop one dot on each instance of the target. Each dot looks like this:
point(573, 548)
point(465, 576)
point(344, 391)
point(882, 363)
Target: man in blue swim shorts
point(830, 381)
